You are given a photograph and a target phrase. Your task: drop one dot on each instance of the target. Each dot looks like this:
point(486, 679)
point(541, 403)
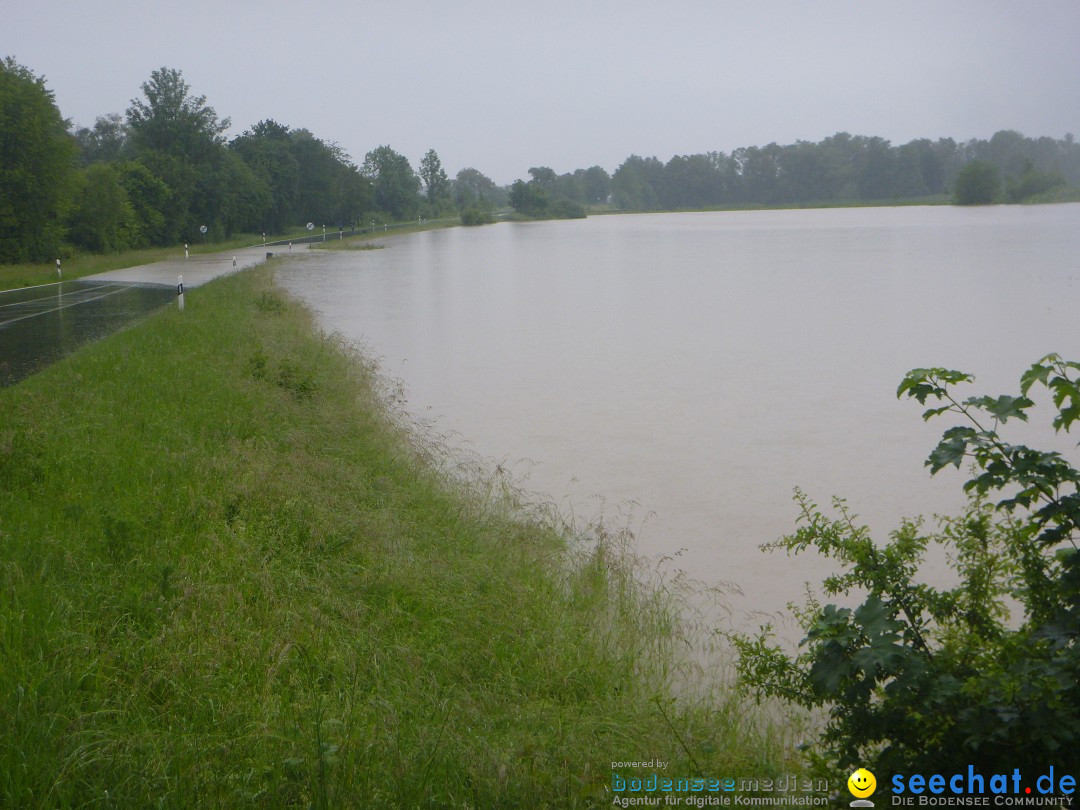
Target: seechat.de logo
point(861, 784)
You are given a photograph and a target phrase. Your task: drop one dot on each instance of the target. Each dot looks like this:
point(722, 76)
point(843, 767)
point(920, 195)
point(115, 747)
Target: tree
point(436, 183)
point(103, 219)
point(979, 183)
point(268, 149)
point(149, 199)
point(394, 182)
point(691, 182)
point(636, 184)
point(179, 138)
point(1031, 183)
point(37, 167)
point(173, 121)
point(814, 172)
point(920, 679)
point(877, 178)
point(473, 189)
point(179, 177)
point(545, 179)
point(529, 198)
point(234, 198)
point(597, 184)
point(107, 141)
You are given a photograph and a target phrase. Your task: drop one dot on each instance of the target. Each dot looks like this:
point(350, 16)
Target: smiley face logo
point(861, 783)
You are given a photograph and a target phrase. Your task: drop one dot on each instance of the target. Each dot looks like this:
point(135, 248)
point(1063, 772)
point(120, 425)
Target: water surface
point(684, 372)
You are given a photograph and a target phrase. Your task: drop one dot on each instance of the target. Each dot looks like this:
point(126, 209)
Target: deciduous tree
point(978, 183)
point(396, 186)
point(171, 120)
point(436, 183)
point(103, 219)
point(37, 167)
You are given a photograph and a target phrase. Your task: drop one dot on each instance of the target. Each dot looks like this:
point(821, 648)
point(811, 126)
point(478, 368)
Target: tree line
point(162, 171)
point(842, 168)
point(848, 168)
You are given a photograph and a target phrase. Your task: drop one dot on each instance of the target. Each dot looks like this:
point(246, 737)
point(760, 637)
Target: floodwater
point(40, 325)
point(681, 374)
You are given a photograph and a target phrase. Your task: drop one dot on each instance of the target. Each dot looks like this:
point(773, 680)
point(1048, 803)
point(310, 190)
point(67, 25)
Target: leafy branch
point(1040, 475)
point(918, 677)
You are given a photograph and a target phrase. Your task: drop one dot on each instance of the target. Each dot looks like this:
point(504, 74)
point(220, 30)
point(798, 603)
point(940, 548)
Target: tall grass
point(230, 577)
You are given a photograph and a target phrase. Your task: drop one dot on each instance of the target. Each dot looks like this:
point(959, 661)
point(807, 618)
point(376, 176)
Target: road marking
point(64, 306)
point(78, 291)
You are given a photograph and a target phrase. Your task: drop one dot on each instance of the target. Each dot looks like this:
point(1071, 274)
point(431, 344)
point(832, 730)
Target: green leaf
point(923, 382)
point(935, 412)
point(951, 449)
point(1003, 408)
point(1066, 417)
point(1037, 373)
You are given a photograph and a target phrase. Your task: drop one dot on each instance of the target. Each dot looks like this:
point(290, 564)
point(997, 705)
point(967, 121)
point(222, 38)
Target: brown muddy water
point(681, 374)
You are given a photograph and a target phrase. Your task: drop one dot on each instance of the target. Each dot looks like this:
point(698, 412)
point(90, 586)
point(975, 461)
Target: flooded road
point(40, 325)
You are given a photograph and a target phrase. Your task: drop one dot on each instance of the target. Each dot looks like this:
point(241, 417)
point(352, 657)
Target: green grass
point(231, 576)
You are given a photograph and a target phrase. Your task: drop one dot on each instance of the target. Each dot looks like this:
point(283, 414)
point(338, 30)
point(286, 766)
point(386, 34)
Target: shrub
point(925, 679)
point(476, 216)
point(566, 209)
point(1032, 184)
point(979, 183)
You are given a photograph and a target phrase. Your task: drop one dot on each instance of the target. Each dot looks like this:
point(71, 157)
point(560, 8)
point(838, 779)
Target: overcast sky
point(505, 85)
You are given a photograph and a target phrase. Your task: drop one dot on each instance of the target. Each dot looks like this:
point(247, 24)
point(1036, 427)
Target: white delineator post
point(185, 250)
point(59, 275)
point(180, 292)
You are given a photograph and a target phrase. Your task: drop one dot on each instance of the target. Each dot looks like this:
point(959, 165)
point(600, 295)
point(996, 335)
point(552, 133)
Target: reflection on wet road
point(39, 325)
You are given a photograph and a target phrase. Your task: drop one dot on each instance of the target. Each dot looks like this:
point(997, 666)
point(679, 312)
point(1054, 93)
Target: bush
point(566, 209)
point(921, 679)
point(979, 183)
point(1032, 184)
point(476, 216)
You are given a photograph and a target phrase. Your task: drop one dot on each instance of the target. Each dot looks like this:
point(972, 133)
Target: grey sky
point(502, 86)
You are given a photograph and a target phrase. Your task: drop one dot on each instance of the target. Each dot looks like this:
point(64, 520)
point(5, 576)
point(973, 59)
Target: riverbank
point(231, 577)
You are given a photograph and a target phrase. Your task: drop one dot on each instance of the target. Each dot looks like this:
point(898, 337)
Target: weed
point(270, 302)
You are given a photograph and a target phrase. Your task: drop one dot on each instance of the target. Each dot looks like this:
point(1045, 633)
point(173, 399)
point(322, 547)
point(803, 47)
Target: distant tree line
point(842, 168)
point(157, 174)
point(555, 196)
point(850, 168)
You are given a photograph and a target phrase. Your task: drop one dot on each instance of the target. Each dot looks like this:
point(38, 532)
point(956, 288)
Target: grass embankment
point(228, 579)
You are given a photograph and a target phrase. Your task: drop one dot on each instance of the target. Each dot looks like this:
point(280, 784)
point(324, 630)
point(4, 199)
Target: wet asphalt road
point(40, 325)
